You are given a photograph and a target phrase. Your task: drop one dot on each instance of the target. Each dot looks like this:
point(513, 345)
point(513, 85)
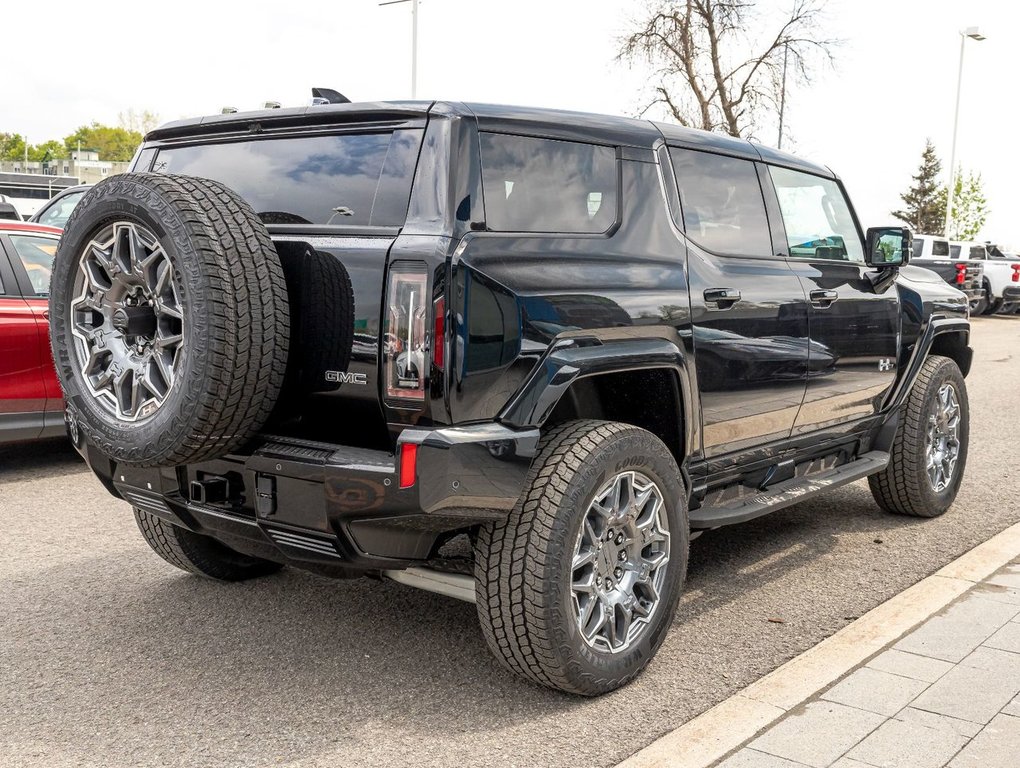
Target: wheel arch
point(953, 344)
point(644, 381)
point(948, 337)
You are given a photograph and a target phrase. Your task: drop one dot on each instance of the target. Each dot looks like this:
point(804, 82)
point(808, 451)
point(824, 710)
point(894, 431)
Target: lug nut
point(609, 534)
point(622, 556)
point(598, 581)
point(619, 539)
point(609, 583)
point(618, 572)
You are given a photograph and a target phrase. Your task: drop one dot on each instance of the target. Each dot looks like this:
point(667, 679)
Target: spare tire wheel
point(169, 319)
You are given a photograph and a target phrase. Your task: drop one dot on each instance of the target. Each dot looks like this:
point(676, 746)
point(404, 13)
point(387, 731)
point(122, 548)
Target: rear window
point(542, 185)
point(939, 247)
point(954, 250)
point(978, 252)
point(347, 179)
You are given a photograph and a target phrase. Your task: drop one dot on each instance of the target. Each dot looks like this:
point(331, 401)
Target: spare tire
point(168, 319)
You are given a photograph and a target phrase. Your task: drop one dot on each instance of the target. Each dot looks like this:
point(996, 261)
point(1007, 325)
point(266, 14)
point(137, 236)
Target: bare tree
point(142, 122)
point(721, 64)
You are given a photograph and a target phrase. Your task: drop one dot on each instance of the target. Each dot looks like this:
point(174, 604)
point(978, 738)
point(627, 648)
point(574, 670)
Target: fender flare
point(571, 358)
point(937, 327)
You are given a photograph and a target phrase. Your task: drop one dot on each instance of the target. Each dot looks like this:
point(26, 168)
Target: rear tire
point(980, 306)
point(199, 554)
point(994, 306)
point(564, 554)
point(917, 481)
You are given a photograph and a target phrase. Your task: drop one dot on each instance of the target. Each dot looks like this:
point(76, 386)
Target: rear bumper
point(317, 504)
point(1011, 293)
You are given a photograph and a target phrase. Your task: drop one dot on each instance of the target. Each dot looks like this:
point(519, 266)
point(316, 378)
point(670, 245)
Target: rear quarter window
point(544, 185)
point(345, 179)
point(939, 247)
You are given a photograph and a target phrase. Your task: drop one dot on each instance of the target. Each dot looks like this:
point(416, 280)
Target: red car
point(31, 404)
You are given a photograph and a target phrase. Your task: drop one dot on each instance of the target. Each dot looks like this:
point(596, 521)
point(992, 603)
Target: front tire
point(199, 554)
point(578, 587)
point(929, 454)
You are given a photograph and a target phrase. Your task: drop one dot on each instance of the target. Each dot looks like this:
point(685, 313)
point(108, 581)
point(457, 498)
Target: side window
point(939, 247)
point(978, 252)
point(723, 208)
point(917, 249)
point(543, 185)
point(36, 253)
point(954, 251)
point(817, 218)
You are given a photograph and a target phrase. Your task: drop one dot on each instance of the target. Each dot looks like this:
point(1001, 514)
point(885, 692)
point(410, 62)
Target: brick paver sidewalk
point(946, 693)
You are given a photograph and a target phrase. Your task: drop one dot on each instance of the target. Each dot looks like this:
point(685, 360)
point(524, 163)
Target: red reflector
point(1016, 273)
point(961, 274)
point(408, 464)
point(439, 334)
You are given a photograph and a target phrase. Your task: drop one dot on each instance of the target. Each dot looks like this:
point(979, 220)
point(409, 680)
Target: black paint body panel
point(757, 390)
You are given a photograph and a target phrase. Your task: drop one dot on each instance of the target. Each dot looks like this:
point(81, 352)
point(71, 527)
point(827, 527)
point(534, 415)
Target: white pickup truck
point(1001, 275)
point(961, 272)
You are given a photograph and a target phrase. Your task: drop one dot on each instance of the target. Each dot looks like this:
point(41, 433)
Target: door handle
point(723, 298)
point(823, 299)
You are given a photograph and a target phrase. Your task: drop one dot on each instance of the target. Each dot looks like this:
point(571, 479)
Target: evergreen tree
point(924, 208)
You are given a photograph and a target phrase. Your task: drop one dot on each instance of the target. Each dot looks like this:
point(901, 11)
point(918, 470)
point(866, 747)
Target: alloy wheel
point(618, 569)
point(943, 438)
point(127, 321)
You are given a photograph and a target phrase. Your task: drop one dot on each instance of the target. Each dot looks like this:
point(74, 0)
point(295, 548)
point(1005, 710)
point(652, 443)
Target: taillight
point(404, 343)
point(439, 332)
point(961, 274)
point(408, 464)
point(1016, 273)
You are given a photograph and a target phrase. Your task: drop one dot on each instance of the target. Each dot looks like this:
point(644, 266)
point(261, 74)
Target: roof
point(553, 123)
point(24, 226)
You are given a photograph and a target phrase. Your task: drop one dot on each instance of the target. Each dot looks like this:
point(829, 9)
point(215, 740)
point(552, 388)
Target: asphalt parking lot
point(109, 656)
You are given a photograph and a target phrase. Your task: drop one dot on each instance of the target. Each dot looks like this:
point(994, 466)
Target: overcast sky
point(893, 84)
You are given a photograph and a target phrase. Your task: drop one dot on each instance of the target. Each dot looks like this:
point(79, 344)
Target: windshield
point(60, 211)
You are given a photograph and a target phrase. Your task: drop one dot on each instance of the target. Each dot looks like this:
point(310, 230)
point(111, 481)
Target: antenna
point(328, 96)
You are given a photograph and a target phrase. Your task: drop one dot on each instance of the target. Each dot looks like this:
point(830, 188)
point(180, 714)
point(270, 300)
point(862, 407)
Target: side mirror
point(888, 247)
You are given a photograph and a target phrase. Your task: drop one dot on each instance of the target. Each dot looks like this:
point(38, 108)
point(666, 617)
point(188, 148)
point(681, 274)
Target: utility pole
point(414, 41)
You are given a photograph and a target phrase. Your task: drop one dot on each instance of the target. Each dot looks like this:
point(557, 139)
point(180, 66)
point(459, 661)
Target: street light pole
point(974, 34)
point(414, 41)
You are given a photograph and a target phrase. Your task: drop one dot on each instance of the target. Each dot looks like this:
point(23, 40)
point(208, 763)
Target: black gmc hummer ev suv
point(351, 338)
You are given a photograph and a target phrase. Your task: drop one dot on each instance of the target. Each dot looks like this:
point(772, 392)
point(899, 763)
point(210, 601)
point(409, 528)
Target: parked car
point(570, 339)
point(935, 252)
point(56, 211)
point(1001, 277)
point(7, 210)
point(31, 405)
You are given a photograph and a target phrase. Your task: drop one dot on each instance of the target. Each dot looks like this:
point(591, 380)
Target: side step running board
point(788, 492)
point(459, 586)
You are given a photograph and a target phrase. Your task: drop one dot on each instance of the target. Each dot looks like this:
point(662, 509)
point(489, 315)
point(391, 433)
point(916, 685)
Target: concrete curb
point(711, 735)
